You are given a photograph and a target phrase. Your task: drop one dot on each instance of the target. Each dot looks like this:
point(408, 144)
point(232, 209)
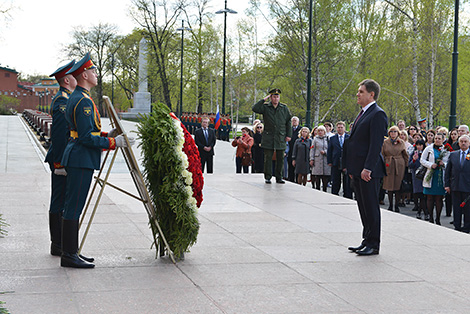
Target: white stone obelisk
point(142, 99)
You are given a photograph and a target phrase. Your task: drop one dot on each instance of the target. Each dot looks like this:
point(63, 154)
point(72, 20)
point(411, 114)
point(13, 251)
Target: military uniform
point(276, 128)
point(83, 152)
point(81, 156)
point(59, 137)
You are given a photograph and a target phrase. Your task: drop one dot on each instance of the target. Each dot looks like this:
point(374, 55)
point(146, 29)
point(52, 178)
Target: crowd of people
point(416, 160)
point(193, 121)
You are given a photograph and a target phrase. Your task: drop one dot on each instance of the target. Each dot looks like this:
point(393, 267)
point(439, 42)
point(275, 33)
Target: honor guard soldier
point(82, 156)
point(59, 138)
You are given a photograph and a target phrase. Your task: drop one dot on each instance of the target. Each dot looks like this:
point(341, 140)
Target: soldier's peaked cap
point(275, 91)
point(62, 71)
point(81, 66)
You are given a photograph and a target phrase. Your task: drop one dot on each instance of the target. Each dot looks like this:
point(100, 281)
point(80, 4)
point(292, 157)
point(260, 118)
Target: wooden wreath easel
point(137, 177)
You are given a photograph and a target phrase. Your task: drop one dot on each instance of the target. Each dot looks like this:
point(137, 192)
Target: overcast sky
point(31, 40)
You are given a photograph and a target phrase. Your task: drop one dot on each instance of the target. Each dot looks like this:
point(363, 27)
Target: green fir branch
point(162, 172)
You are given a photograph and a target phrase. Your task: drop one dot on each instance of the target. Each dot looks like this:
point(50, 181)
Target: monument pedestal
point(142, 104)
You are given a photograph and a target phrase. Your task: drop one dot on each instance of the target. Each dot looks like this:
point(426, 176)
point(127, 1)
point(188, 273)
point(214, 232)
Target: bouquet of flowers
point(443, 152)
point(172, 170)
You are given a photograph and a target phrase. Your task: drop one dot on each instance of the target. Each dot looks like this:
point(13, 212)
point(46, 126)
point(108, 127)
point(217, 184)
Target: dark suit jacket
point(295, 136)
point(335, 151)
point(456, 176)
point(363, 148)
point(200, 140)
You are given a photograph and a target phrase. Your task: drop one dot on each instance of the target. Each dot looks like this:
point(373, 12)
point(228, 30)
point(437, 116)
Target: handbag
point(421, 171)
point(246, 159)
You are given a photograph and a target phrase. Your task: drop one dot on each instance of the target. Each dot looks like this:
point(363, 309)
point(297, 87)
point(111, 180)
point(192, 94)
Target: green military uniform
point(277, 126)
point(59, 138)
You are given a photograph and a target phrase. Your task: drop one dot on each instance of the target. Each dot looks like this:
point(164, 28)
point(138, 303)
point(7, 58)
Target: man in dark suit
point(205, 141)
point(335, 160)
point(295, 135)
point(365, 165)
point(457, 183)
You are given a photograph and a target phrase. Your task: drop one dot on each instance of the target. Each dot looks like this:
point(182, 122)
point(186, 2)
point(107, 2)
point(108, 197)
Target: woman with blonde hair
point(301, 155)
point(321, 171)
point(396, 160)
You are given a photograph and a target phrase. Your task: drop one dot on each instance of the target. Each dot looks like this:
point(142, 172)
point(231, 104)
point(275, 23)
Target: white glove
point(121, 141)
point(60, 172)
point(112, 133)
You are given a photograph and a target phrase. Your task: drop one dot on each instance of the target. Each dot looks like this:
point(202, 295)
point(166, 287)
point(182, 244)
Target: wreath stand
point(138, 179)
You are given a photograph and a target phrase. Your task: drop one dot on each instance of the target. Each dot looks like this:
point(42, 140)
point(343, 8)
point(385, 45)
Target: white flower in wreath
point(188, 177)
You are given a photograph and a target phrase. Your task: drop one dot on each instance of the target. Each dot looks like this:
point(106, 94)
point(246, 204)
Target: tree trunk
point(414, 76)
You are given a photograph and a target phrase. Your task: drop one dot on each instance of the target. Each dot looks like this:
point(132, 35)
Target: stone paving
point(261, 249)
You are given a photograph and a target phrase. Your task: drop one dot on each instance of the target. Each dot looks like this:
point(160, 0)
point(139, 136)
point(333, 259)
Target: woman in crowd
point(257, 150)
point(418, 196)
point(434, 158)
point(396, 159)
point(321, 172)
point(301, 155)
point(412, 130)
point(430, 137)
point(406, 187)
point(453, 139)
point(243, 144)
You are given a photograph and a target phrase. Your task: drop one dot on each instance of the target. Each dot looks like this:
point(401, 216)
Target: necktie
point(341, 140)
point(206, 136)
point(462, 158)
point(358, 117)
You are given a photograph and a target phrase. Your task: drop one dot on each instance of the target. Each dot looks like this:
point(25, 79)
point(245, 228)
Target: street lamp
point(224, 11)
point(182, 29)
point(309, 66)
point(455, 58)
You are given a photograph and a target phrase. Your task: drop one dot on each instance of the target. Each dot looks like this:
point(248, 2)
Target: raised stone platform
point(261, 249)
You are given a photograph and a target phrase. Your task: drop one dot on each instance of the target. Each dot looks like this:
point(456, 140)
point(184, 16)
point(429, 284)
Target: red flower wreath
point(191, 151)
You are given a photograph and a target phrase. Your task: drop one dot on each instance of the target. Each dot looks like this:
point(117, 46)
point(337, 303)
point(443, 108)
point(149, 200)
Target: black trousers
point(457, 199)
point(339, 177)
point(367, 195)
point(207, 159)
point(239, 166)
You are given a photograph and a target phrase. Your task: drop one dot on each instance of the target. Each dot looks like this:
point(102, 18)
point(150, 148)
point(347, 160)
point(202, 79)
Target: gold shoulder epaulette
point(65, 95)
point(86, 95)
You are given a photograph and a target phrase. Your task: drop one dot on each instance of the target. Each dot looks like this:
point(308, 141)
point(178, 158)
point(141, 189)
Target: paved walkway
point(261, 249)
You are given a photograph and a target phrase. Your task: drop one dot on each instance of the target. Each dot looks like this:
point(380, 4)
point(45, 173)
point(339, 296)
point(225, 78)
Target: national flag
point(217, 118)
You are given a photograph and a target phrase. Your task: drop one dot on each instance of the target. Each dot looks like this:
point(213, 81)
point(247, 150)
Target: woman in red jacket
point(243, 144)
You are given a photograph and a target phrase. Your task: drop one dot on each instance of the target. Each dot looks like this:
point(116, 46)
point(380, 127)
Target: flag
point(217, 119)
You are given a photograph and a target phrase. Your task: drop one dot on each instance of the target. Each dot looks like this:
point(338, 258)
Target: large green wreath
point(167, 179)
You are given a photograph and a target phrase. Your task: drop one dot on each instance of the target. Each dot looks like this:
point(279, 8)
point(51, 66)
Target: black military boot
point(55, 227)
point(69, 256)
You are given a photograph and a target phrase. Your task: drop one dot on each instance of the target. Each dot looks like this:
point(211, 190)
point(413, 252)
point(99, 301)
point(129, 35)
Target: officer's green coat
point(277, 124)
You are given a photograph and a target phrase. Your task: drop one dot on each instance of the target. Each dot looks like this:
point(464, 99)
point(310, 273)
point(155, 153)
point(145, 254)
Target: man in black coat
point(365, 164)
point(205, 141)
point(335, 160)
point(295, 135)
point(457, 183)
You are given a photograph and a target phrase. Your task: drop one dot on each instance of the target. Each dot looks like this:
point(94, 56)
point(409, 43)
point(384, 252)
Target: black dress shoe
point(356, 248)
point(368, 251)
point(267, 181)
point(280, 181)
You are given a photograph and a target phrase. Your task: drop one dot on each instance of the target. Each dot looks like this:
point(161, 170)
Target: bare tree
point(158, 19)
point(98, 40)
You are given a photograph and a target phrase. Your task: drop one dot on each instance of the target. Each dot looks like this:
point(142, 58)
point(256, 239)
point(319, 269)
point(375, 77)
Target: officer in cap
point(82, 156)
point(59, 138)
point(277, 131)
point(422, 126)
